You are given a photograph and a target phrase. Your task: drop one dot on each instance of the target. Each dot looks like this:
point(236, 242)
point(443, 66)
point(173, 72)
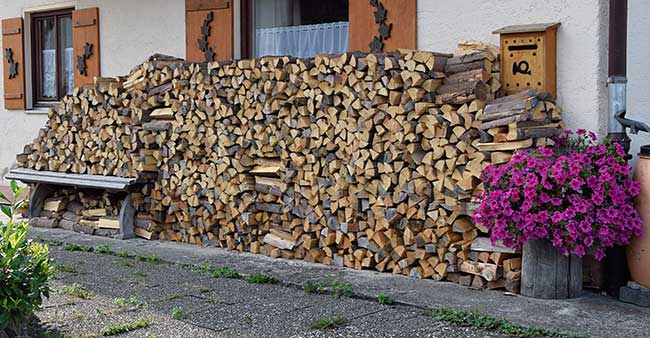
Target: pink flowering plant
point(578, 194)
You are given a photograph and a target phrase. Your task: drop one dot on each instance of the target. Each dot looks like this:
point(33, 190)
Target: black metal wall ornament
point(377, 43)
point(13, 65)
point(81, 59)
point(204, 45)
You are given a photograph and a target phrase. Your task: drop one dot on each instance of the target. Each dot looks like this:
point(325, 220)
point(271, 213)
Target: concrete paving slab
point(592, 314)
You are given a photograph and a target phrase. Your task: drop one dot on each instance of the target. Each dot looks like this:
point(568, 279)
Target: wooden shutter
point(400, 16)
point(85, 40)
point(208, 30)
point(13, 63)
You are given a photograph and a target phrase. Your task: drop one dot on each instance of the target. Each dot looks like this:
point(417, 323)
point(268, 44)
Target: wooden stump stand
point(548, 274)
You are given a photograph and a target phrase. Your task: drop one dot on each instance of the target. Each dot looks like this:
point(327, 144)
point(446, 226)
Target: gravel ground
point(213, 307)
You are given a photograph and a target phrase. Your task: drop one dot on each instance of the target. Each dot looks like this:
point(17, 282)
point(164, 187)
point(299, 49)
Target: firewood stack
point(88, 211)
point(359, 160)
point(519, 121)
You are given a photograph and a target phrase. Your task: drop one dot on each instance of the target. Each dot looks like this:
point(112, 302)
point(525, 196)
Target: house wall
point(130, 31)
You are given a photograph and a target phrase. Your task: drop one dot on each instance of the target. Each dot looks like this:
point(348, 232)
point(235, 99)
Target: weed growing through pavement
point(149, 259)
point(328, 323)
point(131, 301)
point(104, 249)
point(65, 268)
point(140, 274)
point(261, 278)
point(75, 247)
point(486, 322)
point(383, 299)
point(125, 264)
point(77, 291)
point(224, 272)
point(336, 288)
point(124, 328)
point(178, 314)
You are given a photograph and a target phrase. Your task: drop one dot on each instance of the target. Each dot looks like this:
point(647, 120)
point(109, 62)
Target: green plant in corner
point(25, 267)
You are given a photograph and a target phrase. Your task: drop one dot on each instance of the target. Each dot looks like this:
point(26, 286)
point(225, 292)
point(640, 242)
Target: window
point(52, 55)
point(300, 28)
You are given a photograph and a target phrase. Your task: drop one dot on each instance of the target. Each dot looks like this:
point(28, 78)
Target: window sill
point(39, 110)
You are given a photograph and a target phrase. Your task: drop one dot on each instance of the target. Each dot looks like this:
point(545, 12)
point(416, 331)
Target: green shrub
point(26, 268)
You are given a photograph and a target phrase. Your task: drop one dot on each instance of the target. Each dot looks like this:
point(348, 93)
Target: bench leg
point(37, 199)
point(127, 215)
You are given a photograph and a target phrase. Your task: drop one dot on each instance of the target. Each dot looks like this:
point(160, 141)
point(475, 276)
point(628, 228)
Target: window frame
point(38, 99)
point(247, 28)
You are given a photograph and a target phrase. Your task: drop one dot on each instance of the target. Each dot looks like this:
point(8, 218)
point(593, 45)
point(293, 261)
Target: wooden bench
point(48, 181)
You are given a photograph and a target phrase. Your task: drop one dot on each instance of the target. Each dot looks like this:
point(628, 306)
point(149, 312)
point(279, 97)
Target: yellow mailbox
point(529, 57)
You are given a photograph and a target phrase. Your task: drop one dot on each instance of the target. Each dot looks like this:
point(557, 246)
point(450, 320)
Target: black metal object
point(383, 32)
point(81, 59)
point(204, 45)
point(13, 65)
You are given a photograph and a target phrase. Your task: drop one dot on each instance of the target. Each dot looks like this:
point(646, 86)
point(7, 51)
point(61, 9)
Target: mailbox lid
point(529, 28)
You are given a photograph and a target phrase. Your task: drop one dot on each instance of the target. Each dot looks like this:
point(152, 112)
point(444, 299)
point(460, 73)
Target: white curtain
point(49, 82)
point(48, 86)
point(302, 41)
point(68, 69)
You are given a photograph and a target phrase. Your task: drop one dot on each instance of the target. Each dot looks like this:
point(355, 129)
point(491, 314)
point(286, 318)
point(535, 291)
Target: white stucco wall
point(581, 66)
point(130, 31)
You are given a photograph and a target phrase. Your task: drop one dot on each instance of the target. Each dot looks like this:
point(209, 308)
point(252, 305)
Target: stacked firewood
point(520, 121)
point(98, 129)
point(359, 160)
point(89, 211)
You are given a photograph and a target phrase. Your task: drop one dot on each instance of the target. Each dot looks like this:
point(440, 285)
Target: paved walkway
point(226, 307)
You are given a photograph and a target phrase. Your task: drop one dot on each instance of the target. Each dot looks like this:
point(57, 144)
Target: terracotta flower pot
point(638, 251)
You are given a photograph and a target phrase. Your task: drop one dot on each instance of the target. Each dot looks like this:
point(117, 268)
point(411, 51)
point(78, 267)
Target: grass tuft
point(131, 301)
point(383, 299)
point(336, 288)
point(77, 291)
point(224, 272)
point(75, 247)
point(104, 249)
point(149, 259)
point(65, 268)
point(261, 278)
point(328, 323)
point(178, 314)
point(486, 322)
point(124, 328)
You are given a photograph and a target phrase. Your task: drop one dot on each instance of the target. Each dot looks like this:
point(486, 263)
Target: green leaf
point(6, 210)
point(19, 192)
point(3, 197)
point(14, 186)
